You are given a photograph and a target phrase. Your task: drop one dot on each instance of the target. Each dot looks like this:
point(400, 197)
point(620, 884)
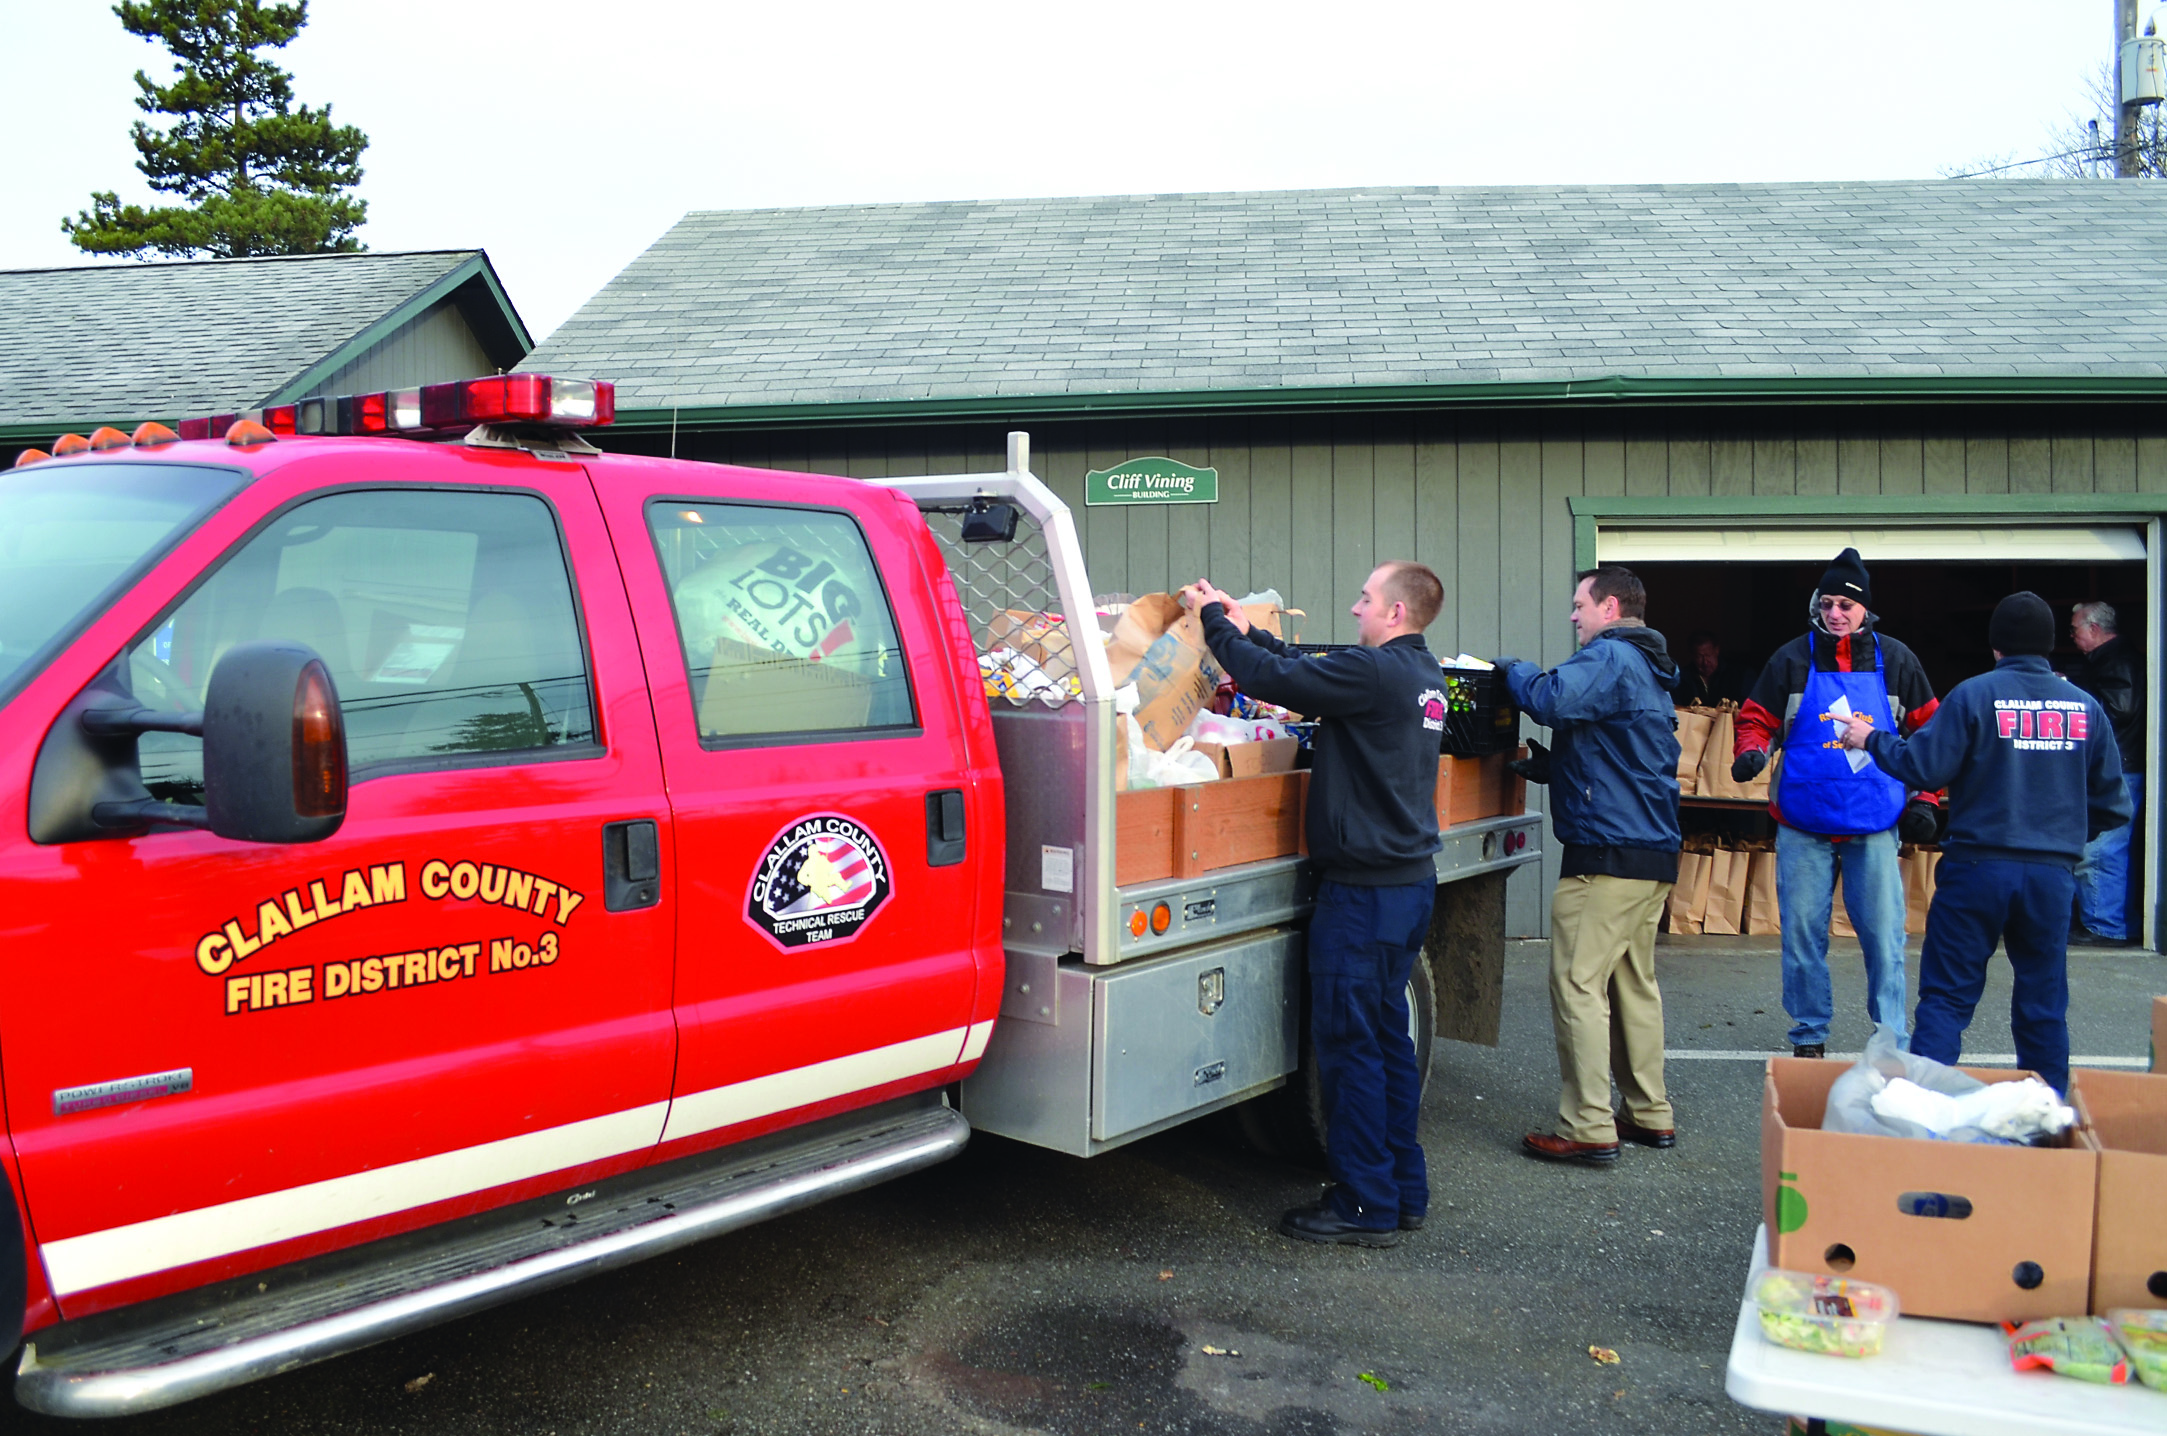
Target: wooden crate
point(1469, 789)
point(1199, 827)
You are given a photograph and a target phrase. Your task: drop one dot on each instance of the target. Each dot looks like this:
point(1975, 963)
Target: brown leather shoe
point(1561, 1149)
point(1631, 1131)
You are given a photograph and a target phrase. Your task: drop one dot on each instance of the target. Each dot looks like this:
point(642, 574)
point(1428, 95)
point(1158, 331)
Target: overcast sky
point(564, 138)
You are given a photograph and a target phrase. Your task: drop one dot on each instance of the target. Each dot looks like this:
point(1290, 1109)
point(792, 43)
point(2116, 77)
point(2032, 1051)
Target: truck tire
point(1288, 1122)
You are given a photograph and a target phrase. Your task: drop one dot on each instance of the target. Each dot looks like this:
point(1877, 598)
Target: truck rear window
point(73, 537)
point(785, 624)
point(446, 619)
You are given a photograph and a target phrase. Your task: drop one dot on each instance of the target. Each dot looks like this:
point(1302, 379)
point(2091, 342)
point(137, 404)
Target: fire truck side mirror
point(274, 746)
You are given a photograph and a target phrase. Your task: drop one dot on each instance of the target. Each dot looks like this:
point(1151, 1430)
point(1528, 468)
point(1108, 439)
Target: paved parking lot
point(1017, 1291)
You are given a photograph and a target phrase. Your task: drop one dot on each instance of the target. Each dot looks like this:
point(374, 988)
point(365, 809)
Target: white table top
point(1933, 1378)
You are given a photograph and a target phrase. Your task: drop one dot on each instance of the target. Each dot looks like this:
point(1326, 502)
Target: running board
point(188, 1345)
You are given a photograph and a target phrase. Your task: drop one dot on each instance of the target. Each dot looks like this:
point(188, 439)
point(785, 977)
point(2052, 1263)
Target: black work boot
point(1811, 1049)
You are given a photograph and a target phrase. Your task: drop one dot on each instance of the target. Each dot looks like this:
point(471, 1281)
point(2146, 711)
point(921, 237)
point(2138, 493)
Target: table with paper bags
point(1727, 887)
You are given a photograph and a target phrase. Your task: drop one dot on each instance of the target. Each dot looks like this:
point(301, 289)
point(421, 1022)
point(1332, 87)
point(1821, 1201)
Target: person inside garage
point(1372, 831)
point(2033, 773)
point(1836, 812)
point(1614, 806)
point(2113, 673)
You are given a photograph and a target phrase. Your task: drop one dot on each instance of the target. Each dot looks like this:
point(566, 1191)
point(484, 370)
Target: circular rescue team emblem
point(821, 880)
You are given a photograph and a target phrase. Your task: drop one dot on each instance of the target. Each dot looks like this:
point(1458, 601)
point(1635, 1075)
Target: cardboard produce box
point(2124, 1120)
point(1246, 760)
point(1969, 1232)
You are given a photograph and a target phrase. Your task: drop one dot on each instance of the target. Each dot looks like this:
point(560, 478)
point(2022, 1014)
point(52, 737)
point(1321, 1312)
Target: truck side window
point(446, 619)
point(785, 625)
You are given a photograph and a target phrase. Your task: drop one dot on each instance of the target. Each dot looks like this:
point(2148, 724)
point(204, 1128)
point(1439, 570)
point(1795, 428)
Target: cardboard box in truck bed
point(1970, 1232)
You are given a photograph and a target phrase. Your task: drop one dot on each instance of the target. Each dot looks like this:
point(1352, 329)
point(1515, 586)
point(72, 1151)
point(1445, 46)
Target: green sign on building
point(1152, 481)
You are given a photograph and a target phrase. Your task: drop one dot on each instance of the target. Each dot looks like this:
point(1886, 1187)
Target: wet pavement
point(1014, 1290)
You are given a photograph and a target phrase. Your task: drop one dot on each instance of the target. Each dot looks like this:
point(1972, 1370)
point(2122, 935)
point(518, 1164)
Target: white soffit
point(1988, 543)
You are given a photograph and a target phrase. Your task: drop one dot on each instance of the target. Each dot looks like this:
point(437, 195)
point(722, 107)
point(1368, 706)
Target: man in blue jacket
point(1614, 808)
point(2030, 763)
point(1372, 830)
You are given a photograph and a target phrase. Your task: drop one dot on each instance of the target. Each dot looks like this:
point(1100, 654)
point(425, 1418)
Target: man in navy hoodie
point(1614, 808)
point(1372, 830)
point(2030, 763)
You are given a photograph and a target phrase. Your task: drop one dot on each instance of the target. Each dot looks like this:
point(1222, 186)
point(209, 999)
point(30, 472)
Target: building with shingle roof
point(121, 343)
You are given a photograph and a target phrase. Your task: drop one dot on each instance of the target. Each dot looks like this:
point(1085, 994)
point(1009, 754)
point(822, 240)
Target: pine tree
point(260, 174)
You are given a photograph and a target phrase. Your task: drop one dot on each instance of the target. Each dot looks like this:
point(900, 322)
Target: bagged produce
point(1832, 1315)
point(2078, 1346)
point(2143, 1334)
point(1893, 1093)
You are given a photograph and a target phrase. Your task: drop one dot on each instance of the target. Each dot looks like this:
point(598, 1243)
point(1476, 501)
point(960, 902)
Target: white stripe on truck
point(96, 1259)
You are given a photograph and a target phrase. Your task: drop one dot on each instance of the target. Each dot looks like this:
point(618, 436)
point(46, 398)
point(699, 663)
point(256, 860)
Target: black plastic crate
point(1480, 716)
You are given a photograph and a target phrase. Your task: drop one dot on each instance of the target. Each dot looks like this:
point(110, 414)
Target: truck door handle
point(944, 828)
point(631, 865)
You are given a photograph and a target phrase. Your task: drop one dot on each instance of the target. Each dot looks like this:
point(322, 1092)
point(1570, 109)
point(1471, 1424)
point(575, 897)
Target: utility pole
point(2125, 113)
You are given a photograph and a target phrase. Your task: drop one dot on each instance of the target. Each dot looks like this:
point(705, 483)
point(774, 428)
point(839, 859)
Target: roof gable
point(118, 343)
point(930, 304)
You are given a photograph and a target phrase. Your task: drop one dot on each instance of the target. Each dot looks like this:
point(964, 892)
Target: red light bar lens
point(195, 428)
point(369, 413)
point(508, 398)
point(280, 420)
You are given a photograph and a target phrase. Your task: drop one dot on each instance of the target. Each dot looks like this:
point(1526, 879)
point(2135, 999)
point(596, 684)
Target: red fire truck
point(442, 869)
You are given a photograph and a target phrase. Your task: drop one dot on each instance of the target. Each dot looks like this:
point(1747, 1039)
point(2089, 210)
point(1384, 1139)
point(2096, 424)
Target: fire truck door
point(814, 758)
point(252, 1053)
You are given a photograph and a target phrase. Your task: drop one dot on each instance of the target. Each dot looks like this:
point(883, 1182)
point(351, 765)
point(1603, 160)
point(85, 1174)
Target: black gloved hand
point(1919, 822)
point(1535, 767)
point(1747, 765)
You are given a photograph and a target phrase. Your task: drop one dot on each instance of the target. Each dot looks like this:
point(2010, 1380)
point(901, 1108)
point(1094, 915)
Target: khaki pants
point(1605, 1005)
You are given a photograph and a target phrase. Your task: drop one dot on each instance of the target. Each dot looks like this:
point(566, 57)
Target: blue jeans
point(1873, 894)
point(2103, 871)
point(1363, 942)
point(2024, 906)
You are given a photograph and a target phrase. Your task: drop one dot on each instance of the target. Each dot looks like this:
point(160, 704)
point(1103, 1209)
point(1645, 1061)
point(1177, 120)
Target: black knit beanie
point(1846, 578)
point(2022, 623)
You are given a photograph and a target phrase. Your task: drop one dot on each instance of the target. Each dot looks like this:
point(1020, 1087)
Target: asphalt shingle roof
point(1303, 289)
point(126, 341)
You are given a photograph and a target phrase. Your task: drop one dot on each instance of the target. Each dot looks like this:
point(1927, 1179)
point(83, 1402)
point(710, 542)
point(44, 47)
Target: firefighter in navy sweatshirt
point(1372, 830)
point(2030, 763)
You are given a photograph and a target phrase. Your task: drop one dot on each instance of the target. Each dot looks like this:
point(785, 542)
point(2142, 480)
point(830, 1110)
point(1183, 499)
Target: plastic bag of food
point(1831, 1315)
point(1936, 1102)
point(2078, 1346)
point(2143, 1334)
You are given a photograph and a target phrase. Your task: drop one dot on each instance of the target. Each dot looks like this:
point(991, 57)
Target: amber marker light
point(1162, 918)
point(247, 434)
point(30, 456)
point(1136, 923)
point(107, 437)
point(68, 444)
point(152, 435)
point(319, 757)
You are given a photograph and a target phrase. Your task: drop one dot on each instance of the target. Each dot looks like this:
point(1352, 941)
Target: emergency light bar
point(434, 408)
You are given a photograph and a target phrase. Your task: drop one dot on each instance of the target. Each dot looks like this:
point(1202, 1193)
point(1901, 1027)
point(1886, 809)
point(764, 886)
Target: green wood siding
point(432, 348)
point(1311, 504)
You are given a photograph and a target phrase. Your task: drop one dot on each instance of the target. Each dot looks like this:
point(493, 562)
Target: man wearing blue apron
point(1835, 810)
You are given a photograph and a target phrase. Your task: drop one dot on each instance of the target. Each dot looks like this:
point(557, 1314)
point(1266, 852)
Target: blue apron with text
point(1824, 787)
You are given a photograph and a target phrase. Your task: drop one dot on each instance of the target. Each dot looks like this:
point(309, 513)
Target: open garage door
point(1746, 579)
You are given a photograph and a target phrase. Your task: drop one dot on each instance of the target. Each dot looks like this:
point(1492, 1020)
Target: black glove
point(1747, 765)
point(1919, 822)
point(1535, 767)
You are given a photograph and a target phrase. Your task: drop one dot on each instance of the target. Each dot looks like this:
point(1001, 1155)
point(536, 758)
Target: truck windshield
point(73, 537)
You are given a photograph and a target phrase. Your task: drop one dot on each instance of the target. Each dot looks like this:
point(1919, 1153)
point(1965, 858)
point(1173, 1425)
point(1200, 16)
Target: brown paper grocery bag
point(1919, 866)
point(1763, 916)
point(1689, 895)
point(1726, 892)
point(1715, 763)
point(1694, 725)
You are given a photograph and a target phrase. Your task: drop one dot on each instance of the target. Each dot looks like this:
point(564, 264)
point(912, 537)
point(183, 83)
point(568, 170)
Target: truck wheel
point(1288, 1123)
